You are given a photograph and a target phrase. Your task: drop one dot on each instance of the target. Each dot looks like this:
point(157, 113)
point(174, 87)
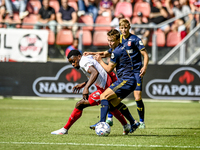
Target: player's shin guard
point(125, 111)
point(140, 109)
point(75, 115)
point(119, 116)
point(104, 109)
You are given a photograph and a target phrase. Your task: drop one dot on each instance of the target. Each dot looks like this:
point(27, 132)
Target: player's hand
point(97, 57)
point(77, 88)
point(85, 53)
point(142, 71)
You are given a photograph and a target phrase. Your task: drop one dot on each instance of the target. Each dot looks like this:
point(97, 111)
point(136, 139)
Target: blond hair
point(123, 22)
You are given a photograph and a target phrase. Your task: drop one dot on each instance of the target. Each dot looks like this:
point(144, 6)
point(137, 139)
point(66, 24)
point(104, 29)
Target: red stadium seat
point(54, 4)
point(100, 38)
point(33, 6)
point(64, 37)
point(125, 8)
point(135, 19)
point(51, 38)
point(73, 4)
point(143, 7)
point(173, 38)
point(87, 37)
point(16, 19)
point(88, 20)
point(160, 38)
point(104, 21)
point(32, 19)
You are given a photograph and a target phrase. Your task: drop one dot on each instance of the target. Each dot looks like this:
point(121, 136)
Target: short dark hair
point(115, 33)
point(73, 53)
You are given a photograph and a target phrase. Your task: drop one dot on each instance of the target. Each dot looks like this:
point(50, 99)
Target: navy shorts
point(123, 87)
point(139, 80)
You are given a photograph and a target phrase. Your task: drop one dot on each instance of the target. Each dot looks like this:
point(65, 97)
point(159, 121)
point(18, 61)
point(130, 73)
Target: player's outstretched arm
point(102, 54)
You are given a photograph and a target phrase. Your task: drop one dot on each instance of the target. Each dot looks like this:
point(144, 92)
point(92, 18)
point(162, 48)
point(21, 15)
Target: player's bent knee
point(82, 104)
point(79, 103)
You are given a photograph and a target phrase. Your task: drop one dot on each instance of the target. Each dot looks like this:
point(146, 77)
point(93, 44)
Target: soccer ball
point(102, 129)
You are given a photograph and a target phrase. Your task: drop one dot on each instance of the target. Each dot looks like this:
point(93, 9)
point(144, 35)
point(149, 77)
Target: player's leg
point(125, 111)
point(140, 107)
point(126, 126)
point(122, 89)
point(77, 112)
point(105, 97)
point(75, 115)
point(138, 99)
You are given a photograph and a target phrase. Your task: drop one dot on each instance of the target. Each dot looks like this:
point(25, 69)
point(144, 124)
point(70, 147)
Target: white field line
point(91, 144)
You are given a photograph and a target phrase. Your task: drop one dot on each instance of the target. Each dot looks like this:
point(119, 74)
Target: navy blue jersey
point(133, 45)
point(124, 65)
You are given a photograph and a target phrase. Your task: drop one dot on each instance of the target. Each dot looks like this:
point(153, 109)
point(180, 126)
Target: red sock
point(119, 116)
point(75, 115)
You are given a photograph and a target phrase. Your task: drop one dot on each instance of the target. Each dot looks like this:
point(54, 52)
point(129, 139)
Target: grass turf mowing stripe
point(91, 144)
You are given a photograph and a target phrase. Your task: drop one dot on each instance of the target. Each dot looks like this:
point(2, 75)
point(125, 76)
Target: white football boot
point(60, 131)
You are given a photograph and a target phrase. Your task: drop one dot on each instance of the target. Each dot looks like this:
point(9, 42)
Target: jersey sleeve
point(115, 55)
point(139, 44)
point(110, 50)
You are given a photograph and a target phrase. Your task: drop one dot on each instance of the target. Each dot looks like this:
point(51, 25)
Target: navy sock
point(125, 111)
point(104, 109)
point(140, 109)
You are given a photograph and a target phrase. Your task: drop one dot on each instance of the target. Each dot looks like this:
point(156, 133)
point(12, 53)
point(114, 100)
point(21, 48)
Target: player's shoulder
point(133, 37)
point(85, 59)
point(119, 47)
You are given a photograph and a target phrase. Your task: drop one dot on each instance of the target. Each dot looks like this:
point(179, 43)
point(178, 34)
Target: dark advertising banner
point(58, 79)
point(172, 82)
point(40, 79)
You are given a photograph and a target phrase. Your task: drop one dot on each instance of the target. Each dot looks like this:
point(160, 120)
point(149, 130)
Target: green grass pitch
point(27, 124)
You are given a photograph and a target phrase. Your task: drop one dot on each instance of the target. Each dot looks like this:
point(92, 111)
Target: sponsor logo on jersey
point(129, 43)
point(129, 51)
point(183, 83)
point(61, 85)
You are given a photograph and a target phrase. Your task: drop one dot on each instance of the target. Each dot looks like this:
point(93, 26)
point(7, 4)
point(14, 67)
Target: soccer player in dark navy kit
point(126, 83)
point(134, 45)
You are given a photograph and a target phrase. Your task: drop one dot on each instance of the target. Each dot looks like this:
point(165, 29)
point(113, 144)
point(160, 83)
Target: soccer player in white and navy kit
point(102, 80)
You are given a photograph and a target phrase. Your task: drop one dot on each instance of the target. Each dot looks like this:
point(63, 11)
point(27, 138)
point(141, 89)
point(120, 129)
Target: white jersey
point(86, 62)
